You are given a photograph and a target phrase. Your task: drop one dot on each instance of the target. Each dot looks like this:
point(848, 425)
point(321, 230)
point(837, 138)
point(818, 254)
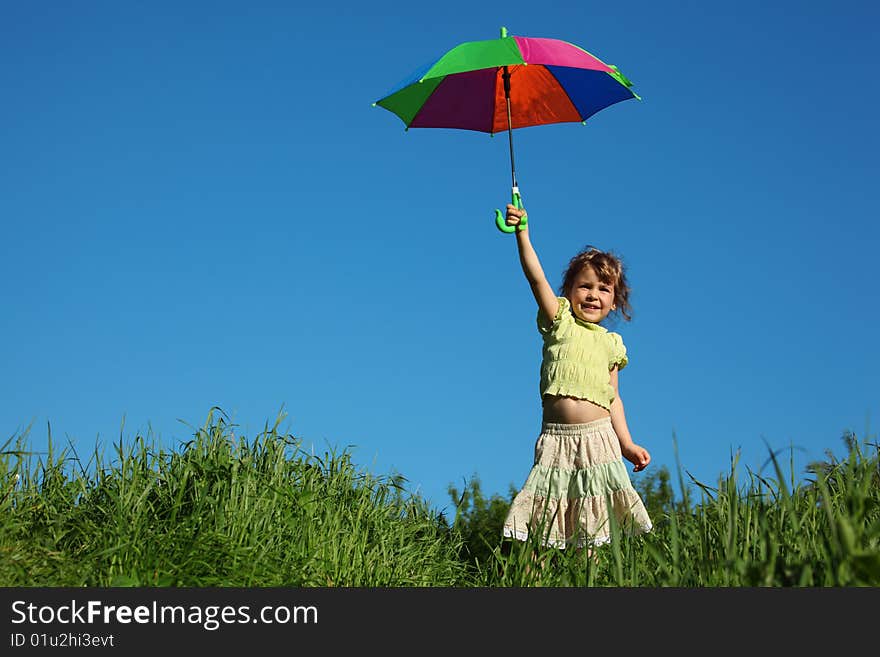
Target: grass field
point(224, 510)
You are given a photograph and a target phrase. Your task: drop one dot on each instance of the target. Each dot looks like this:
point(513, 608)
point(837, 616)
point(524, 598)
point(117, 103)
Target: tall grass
point(770, 532)
point(220, 511)
point(227, 511)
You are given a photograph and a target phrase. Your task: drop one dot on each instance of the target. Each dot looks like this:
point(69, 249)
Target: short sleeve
point(545, 323)
point(618, 352)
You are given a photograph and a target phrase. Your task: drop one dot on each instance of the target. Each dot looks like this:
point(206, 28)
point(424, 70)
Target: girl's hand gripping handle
point(516, 199)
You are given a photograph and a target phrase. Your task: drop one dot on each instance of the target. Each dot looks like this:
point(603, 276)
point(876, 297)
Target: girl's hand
point(636, 455)
point(514, 215)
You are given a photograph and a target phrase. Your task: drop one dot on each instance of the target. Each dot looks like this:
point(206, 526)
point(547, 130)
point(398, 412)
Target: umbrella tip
point(503, 32)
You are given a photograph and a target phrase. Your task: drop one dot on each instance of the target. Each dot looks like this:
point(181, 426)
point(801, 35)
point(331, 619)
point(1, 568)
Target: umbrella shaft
point(506, 78)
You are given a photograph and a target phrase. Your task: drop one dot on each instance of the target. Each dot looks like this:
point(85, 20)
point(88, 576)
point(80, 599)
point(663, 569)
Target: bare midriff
point(568, 410)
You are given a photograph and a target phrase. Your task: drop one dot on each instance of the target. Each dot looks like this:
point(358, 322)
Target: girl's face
point(591, 299)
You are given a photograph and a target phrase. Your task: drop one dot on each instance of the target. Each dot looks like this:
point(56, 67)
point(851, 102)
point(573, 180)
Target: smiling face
point(591, 298)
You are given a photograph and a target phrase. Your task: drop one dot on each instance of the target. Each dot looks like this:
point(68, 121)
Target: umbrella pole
point(506, 78)
point(516, 199)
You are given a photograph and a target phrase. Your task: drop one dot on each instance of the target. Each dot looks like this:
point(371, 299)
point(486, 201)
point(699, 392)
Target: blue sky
point(200, 207)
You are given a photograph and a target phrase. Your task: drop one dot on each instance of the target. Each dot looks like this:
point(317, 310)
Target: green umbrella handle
point(516, 200)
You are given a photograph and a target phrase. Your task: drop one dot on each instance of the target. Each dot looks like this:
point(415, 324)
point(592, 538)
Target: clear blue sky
point(200, 207)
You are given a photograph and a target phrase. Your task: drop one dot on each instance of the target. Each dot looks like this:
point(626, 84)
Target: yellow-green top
point(579, 357)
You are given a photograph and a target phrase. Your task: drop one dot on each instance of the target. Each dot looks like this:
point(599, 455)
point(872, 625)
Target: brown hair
point(609, 269)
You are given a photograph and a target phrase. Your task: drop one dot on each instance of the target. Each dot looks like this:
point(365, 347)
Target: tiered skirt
point(577, 484)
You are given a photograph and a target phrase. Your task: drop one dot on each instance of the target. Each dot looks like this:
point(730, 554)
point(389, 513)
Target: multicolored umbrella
point(507, 83)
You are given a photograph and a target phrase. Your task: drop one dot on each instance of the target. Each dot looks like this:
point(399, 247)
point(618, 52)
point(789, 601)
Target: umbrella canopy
point(550, 81)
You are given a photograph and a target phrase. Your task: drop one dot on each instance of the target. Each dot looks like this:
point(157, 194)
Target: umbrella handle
point(516, 200)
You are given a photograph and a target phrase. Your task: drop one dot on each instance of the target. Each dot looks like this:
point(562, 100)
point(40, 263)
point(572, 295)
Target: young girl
point(578, 478)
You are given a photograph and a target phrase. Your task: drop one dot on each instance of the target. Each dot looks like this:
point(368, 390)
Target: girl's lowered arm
point(635, 454)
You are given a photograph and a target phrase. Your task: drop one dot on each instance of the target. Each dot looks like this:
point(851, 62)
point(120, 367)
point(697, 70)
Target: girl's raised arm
point(528, 258)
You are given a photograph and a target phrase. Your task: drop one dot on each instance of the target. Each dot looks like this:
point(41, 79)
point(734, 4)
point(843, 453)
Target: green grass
point(222, 510)
point(219, 511)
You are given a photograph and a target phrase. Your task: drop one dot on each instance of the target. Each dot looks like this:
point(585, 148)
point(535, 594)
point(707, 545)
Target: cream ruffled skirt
point(577, 481)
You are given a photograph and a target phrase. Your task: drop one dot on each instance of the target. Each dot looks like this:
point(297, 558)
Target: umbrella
point(507, 83)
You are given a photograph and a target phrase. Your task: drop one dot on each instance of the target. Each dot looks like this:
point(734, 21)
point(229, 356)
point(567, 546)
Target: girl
point(578, 478)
